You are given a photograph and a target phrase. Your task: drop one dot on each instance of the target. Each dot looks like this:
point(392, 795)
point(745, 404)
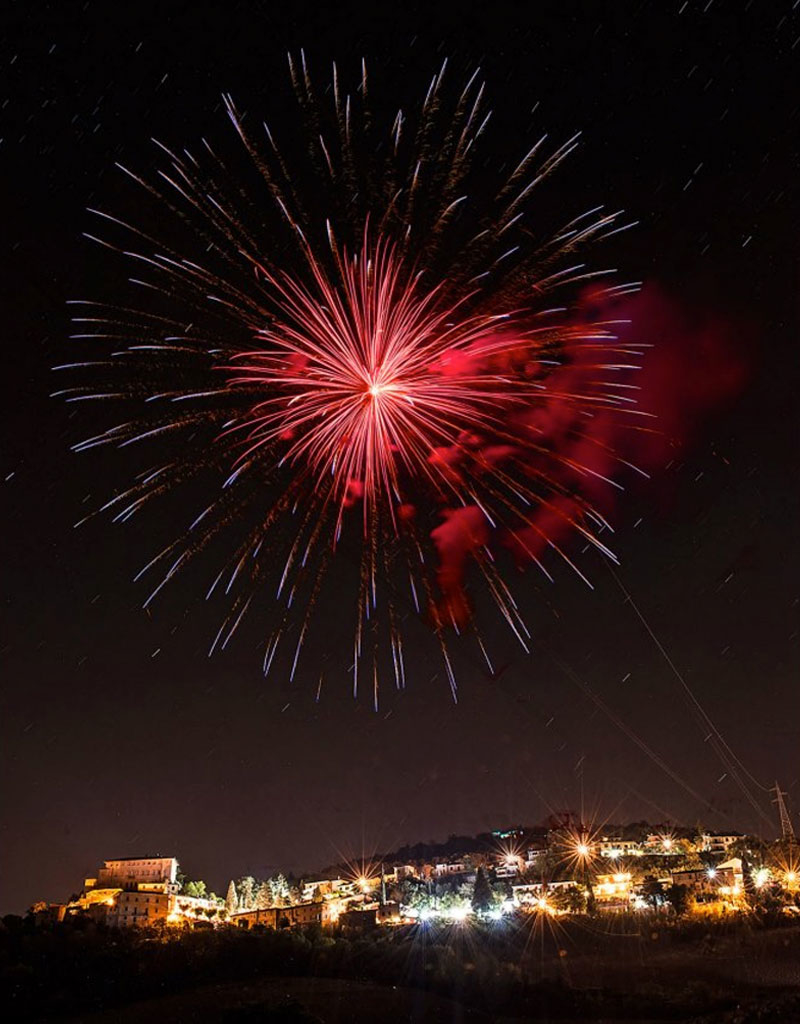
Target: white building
point(128, 872)
point(718, 842)
point(615, 848)
point(446, 869)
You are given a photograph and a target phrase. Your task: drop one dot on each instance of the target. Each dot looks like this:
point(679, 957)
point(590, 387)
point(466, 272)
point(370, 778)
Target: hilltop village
point(560, 868)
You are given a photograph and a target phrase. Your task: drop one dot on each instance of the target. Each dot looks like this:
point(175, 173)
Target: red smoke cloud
point(688, 369)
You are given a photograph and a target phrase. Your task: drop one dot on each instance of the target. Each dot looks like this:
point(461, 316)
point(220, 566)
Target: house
point(724, 879)
point(402, 871)
point(531, 895)
point(447, 868)
point(612, 888)
point(718, 842)
point(313, 891)
point(614, 848)
point(508, 865)
point(662, 843)
point(533, 855)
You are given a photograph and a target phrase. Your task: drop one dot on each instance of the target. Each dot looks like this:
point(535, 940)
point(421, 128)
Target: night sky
point(121, 737)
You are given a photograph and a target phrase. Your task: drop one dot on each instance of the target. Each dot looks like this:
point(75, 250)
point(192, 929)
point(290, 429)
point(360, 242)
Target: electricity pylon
point(787, 830)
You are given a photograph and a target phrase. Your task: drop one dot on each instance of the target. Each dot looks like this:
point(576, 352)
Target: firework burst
point(351, 343)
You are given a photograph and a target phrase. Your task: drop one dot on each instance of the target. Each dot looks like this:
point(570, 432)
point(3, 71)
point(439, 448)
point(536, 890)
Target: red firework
point(362, 385)
point(404, 357)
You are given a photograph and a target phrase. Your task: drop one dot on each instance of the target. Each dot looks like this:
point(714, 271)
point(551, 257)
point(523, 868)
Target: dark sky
point(690, 120)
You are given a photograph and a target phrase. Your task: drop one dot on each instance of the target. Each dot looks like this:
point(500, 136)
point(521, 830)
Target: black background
point(120, 737)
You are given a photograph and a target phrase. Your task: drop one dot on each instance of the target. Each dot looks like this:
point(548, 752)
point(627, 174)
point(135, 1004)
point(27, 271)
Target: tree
point(279, 889)
point(247, 892)
point(768, 901)
point(414, 894)
point(678, 898)
point(263, 896)
point(653, 891)
point(571, 899)
point(482, 893)
point(231, 899)
point(196, 889)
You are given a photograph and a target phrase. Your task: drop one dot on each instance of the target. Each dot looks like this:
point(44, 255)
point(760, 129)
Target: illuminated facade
point(614, 888)
point(130, 872)
point(718, 842)
point(443, 870)
point(530, 896)
point(723, 880)
point(320, 912)
point(138, 909)
point(614, 848)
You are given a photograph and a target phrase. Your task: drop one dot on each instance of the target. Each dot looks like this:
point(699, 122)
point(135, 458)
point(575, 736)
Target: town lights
point(760, 877)
point(666, 843)
point(582, 849)
point(712, 872)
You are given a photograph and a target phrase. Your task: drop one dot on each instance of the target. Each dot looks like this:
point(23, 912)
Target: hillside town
point(560, 868)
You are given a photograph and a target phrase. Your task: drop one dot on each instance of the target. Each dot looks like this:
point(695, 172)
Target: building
point(718, 842)
point(531, 895)
point(615, 848)
point(319, 912)
point(534, 856)
point(402, 871)
point(722, 880)
point(141, 891)
point(662, 843)
point(389, 913)
point(313, 891)
point(133, 872)
point(447, 868)
point(359, 921)
point(132, 908)
point(613, 889)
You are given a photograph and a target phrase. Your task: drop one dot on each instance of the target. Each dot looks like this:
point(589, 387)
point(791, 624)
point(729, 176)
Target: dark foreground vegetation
point(614, 968)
